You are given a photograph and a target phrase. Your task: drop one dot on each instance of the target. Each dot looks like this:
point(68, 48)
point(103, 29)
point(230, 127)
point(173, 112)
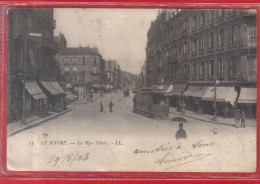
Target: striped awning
point(50, 88)
point(196, 91)
point(177, 89)
point(56, 86)
point(34, 90)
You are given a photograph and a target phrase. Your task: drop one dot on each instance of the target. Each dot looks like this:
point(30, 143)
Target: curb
point(42, 121)
point(215, 122)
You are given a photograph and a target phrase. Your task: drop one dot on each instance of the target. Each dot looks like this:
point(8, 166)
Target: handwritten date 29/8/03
point(68, 159)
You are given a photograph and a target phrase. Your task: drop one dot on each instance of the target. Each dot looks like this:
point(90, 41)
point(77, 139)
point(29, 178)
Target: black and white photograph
point(131, 89)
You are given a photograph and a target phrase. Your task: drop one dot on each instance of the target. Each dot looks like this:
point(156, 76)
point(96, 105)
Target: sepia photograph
point(131, 90)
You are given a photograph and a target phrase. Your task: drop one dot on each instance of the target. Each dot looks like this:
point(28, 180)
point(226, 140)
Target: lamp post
point(215, 101)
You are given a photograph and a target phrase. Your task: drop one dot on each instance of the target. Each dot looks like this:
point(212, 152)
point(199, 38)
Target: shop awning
point(247, 95)
point(96, 85)
point(223, 94)
point(160, 87)
point(34, 90)
point(48, 86)
point(196, 91)
point(154, 86)
point(177, 89)
point(57, 87)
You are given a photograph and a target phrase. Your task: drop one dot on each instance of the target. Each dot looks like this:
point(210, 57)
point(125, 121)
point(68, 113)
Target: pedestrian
point(84, 99)
point(181, 133)
point(111, 106)
point(243, 119)
point(91, 97)
point(237, 117)
point(101, 106)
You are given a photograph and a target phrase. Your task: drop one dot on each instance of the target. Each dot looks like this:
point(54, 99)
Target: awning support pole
point(215, 102)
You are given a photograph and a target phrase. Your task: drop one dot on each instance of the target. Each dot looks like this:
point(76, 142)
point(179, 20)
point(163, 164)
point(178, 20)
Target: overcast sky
point(119, 34)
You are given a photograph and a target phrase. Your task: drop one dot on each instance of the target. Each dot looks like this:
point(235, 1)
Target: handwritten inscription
point(201, 144)
point(170, 160)
point(161, 148)
point(181, 160)
point(68, 159)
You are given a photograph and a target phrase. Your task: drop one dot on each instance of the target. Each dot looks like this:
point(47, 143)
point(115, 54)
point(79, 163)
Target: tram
point(151, 102)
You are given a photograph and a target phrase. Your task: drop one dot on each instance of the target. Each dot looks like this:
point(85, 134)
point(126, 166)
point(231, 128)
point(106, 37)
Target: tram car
point(151, 102)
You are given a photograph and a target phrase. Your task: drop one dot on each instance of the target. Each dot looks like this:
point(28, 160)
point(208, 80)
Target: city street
point(86, 139)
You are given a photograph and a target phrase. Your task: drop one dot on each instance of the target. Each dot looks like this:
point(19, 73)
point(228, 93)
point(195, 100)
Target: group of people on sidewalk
point(240, 117)
point(110, 106)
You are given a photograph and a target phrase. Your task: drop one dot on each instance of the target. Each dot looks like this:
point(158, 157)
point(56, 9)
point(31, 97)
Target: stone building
point(83, 67)
point(113, 74)
point(202, 46)
point(30, 55)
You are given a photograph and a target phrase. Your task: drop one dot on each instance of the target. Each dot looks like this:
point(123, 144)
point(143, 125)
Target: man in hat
point(101, 106)
point(237, 117)
point(180, 134)
point(110, 106)
point(243, 119)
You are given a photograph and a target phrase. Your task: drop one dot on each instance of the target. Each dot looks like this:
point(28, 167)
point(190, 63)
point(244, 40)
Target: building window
point(75, 68)
point(211, 40)
point(232, 67)
point(194, 46)
point(221, 38)
point(202, 43)
point(83, 60)
point(202, 19)
point(66, 68)
point(251, 69)
point(185, 47)
point(220, 13)
point(221, 67)
point(184, 72)
point(234, 34)
point(211, 16)
point(211, 68)
point(202, 69)
point(194, 22)
point(194, 70)
point(252, 36)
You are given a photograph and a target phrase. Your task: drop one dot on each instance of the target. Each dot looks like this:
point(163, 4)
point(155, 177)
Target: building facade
point(82, 67)
point(30, 55)
point(113, 74)
point(202, 46)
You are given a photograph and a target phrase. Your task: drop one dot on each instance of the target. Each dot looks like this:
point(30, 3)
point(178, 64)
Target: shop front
point(247, 101)
point(35, 99)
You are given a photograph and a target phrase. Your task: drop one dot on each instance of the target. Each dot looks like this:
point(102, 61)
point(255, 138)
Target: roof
point(80, 51)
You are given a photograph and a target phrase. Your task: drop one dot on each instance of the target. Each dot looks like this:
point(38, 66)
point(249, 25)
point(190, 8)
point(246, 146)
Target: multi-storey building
point(30, 55)
point(202, 46)
point(83, 67)
point(113, 74)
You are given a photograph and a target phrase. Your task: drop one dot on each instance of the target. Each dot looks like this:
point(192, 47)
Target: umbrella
point(179, 119)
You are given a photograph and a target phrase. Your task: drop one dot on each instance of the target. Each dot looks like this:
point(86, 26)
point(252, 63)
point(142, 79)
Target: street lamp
point(215, 101)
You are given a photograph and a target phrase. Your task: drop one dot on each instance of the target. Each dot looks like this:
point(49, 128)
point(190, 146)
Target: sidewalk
point(18, 126)
point(80, 98)
point(208, 118)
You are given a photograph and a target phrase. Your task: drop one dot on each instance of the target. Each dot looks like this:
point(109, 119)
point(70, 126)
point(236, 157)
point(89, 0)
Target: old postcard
point(113, 89)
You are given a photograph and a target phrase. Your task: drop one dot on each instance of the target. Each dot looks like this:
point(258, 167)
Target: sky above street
point(119, 34)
